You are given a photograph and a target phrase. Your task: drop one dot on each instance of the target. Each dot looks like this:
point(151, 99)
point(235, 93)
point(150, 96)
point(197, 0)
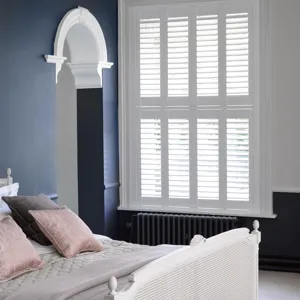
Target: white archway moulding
point(85, 65)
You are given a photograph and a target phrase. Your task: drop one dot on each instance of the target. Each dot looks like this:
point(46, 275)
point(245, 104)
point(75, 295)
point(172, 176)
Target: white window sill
point(234, 213)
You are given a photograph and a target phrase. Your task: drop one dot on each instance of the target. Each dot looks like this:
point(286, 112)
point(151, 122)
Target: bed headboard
point(7, 180)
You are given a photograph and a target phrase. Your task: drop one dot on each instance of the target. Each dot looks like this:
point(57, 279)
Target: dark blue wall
point(97, 139)
point(27, 87)
point(90, 158)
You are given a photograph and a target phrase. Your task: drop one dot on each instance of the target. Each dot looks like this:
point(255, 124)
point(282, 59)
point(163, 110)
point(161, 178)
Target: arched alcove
point(87, 47)
point(80, 51)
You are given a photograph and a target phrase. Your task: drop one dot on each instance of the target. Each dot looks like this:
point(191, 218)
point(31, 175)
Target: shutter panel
point(179, 166)
point(207, 56)
point(208, 159)
point(237, 54)
point(150, 158)
point(191, 75)
point(178, 57)
point(238, 160)
point(150, 57)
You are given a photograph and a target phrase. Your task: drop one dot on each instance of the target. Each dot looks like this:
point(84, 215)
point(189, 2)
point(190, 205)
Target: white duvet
point(50, 249)
point(57, 265)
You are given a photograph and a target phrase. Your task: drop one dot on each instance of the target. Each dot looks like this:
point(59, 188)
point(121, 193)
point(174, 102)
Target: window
point(192, 116)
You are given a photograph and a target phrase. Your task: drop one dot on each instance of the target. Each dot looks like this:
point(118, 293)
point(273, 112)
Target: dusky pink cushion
point(67, 232)
point(17, 255)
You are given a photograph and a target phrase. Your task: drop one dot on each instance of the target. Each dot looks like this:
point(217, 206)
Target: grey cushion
point(20, 205)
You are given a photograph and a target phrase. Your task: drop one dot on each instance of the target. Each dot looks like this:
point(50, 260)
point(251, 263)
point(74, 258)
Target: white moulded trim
point(81, 16)
point(122, 92)
point(177, 2)
point(88, 75)
point(52, 59)
point(193, 211)
point(57, 60)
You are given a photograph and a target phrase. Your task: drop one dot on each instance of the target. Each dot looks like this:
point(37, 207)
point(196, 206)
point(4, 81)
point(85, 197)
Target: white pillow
point(40, 249)
point(102, 237)
point(8, 190)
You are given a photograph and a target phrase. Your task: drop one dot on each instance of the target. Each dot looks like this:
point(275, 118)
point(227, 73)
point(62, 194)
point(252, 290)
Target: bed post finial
point(197, 239)
point(256, 225)
point(112, 285)
point(256, 232)
point(9, 178)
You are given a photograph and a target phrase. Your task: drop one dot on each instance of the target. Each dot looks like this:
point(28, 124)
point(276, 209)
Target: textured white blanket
point(58, 265)
point(79, 277)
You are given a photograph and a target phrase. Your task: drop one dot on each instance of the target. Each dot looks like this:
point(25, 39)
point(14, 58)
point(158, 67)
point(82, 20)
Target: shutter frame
point(187, 104)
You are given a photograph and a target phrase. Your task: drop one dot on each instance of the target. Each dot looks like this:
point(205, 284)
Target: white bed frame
point(7, 180)
point(224, 267)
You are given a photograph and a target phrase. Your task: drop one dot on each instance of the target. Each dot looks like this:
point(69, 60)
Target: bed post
point(112, 285)
point(8, 176)
point(257, 234)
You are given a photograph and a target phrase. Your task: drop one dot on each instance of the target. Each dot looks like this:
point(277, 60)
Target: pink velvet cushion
point(67, 232)
point(17, 255)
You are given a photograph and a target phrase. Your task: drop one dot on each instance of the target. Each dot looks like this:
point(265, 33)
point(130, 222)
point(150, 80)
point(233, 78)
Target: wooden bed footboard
point(224, 267)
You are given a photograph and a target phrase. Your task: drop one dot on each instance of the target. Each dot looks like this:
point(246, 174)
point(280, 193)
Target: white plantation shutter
point(150, 57)
point(179, 179)
point(150, 158)
point(208, 159)
point(238, 168)
point(237, 54)
point(207, 56)
point(178, 60)
point(192, 95)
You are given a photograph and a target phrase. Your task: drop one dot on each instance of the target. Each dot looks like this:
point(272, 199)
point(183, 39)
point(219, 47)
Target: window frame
point(262, 96)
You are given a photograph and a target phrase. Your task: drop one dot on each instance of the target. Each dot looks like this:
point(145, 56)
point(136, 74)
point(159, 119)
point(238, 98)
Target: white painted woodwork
point(155, 102)
point(7, 188)
point(87, 45)
point(7, 180)
point(79, 32)
point(88, 75)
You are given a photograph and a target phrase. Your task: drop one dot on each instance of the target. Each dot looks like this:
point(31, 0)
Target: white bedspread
point(90, 281)
point(57, 265)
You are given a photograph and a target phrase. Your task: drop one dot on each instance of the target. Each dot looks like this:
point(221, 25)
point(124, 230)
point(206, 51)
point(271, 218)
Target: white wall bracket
point(88, 75)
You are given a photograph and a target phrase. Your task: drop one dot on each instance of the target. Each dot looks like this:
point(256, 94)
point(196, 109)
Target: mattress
point(56, 265)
